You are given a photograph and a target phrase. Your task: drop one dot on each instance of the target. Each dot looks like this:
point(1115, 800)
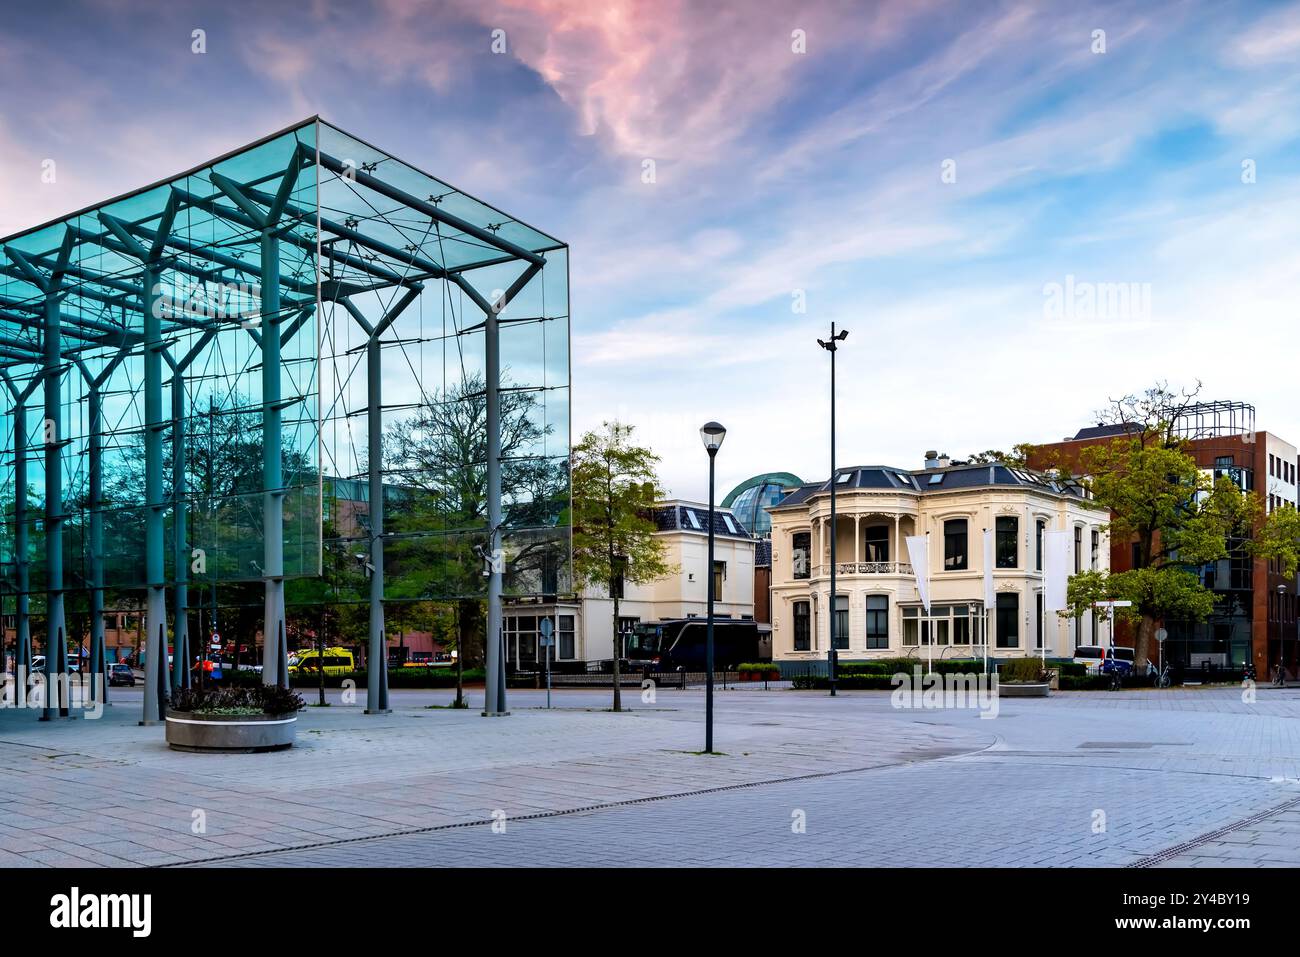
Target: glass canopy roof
point(362, 239)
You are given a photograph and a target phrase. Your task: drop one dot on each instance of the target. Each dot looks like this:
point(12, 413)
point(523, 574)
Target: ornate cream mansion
point(879, 609)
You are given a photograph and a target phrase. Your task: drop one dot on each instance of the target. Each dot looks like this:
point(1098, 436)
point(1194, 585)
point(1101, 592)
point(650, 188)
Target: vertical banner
point(918, 553)
point(1056, 569)
point(989, 597)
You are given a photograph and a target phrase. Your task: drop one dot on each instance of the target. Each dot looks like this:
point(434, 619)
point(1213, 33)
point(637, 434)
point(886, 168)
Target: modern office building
point(182, 365)
point(878, 607)
point(584, 623)
point(1255, 609)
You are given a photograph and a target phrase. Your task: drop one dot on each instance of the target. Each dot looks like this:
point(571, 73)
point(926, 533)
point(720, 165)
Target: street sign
point(546, 629)
point(1113, 604)
point(1161, 635)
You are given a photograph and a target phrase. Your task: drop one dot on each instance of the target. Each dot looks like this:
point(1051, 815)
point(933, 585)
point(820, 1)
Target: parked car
point(1101, 661)
point(120, 673)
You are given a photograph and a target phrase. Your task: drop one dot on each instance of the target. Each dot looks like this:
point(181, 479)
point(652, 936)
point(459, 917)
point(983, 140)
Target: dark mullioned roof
point(689, 517)
point(937, 480)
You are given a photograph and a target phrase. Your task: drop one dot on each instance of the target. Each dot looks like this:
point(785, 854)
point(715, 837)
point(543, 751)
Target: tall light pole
point(831, 347)
point(1281, 630)
point(712, 434)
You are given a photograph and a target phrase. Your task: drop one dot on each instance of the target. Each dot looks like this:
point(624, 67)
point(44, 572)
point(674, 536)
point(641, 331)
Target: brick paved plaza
point(1174, 778)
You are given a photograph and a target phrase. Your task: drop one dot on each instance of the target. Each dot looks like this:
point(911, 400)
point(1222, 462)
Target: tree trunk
point(618, 693)
point(1146, 631)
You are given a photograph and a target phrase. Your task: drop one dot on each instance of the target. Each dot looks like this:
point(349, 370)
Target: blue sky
point(780, 177)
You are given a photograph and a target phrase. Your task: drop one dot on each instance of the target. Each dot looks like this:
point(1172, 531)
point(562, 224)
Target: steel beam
point(486, 236)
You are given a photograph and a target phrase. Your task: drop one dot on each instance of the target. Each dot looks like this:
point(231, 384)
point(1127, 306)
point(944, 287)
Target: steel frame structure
point(317, 228)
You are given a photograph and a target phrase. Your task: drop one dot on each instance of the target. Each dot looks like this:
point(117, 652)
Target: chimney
point(944, 461)
point(932, 459)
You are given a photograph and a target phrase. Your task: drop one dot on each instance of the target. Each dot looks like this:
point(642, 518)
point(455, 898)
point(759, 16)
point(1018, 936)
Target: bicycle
point(1116, 681)
point(1279, 677)
point(1165, 679)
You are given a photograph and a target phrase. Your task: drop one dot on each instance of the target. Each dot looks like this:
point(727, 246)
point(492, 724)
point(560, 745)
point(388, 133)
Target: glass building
point(749, 501)
point(304, 372)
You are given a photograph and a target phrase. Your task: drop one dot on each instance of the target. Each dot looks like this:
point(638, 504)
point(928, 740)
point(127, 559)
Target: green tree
point(438, 458)
point(615, 489)
point(1176, 516)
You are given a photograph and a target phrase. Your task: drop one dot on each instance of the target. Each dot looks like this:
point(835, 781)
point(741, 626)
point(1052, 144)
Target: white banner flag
point(989, 598)
point(1056, 569)
point(918, 553)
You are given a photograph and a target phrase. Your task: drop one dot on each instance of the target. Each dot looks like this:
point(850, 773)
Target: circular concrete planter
point(1024, 689)
point(240, 734)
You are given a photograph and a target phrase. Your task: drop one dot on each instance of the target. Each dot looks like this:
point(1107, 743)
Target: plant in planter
point(1024, 678)
point(760, 671)
point(254, 718)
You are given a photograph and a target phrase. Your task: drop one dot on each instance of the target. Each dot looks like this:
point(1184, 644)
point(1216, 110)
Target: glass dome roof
point(750, 500)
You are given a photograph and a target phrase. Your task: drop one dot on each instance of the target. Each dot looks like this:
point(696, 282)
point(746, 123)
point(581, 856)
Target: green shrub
point(397, 678)
point(255, 699)
point(1023, 669)
point(761, 667)
point(1085, 682)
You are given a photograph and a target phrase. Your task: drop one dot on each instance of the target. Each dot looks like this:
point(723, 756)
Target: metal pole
point(495, 697)
point(830, 654)
point(155, 649)
point(549, 645)
point(275, 649)
point(377, 670)
point(181, 633)
point(56, 647)
point(22, 546)
point(708, 634)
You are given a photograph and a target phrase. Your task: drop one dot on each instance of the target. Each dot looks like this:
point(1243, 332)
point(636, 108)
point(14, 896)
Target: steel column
point(98, 688)
point(494, 702)
point(180, 630)
point(22, 538)
point(56, 641)
point(155, 675)
point(376, 678)
point(275, 647)
point(377, 655)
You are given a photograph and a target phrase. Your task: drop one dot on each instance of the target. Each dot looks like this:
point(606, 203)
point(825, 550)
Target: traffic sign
point(546, 629)
point(1161, 635)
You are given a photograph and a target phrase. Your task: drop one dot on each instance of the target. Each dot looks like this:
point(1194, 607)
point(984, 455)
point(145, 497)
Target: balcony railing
point(866, 568)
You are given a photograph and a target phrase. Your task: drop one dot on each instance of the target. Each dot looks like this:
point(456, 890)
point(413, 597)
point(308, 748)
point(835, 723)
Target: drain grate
point(1172, 852)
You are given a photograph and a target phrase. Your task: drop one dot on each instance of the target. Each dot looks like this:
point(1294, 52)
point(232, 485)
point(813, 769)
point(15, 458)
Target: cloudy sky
point(1017, 209)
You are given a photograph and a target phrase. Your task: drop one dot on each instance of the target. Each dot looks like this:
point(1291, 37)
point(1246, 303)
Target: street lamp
point(831, 347)
point(1281, 631)
point(711, 434)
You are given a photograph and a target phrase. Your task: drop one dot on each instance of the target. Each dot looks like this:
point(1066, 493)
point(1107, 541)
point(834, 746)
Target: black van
point(681, 643)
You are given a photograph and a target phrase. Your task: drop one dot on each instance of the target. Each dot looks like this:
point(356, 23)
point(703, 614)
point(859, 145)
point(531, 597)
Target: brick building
point(1255, 608)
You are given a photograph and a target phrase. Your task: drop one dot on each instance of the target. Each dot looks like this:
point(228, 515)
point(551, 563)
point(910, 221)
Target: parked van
point(337, 661)
point(1099, 661)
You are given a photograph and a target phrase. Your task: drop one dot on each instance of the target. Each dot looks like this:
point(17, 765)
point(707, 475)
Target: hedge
point(397, 678)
